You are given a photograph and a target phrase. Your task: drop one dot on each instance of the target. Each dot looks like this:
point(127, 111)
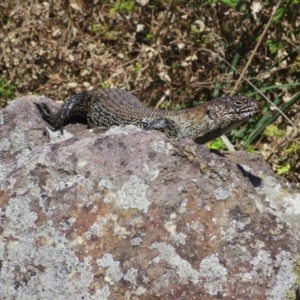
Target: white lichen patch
point(63, 274)
point(18, 140)
point(285, 277)
point(22, 157)
point(214, 274)
point(133, 194)
point(77, 241)
point(161, 146)
point(105, 183)
point(291, 203)
point(12, 182)
point(123, 129)
point(120, 230)
point(95, 229)
point(102, 294)
point(286, 206)
point(60, 261)
point(270, 186)
point(179, 238)
point(231, 231)
point(182, 209)
point(262, 265)
point(183, 268)
point(131, 276)
point(109, 198)
point(72, 180)
point(223, 193)
point(263, 270)
point(4, 144)
point(113, 272)
point(136, 241)
point(151, 170)
point(140, 291)
point(196, 226)
point(20, 216)
point(247, 168)
point(56, 136)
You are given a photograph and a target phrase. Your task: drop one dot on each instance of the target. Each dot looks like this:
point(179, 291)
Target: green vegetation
point(6, 91)
point(274, 47)
point(136, 67)
point(122, 6)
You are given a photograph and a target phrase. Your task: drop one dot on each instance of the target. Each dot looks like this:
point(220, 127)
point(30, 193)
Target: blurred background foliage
point(171, 54)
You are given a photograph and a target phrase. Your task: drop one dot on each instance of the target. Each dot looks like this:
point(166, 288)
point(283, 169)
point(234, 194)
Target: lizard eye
point(238, 102)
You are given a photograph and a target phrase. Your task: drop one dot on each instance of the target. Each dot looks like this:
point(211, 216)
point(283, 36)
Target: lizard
point(113, 106)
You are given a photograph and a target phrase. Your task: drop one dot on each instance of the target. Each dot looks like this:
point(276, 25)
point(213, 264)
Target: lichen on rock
point(122, 213)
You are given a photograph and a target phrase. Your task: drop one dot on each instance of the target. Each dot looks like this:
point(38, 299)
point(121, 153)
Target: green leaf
point(293, 148)
point(278, 14)
point(6, 89)
point(109, 35)
point(272, 130)
point(174, 65)
point(136, 67)
point(283, 169)
point(96, 28)
point(274, 47)
point(231, 3)
point(149, 36)
point(216, 144)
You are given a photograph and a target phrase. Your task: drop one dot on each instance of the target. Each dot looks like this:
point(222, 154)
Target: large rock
point(124, 213)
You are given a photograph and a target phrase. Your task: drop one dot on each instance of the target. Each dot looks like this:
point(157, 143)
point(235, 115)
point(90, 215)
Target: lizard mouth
point(253, 110)
point(243, 110)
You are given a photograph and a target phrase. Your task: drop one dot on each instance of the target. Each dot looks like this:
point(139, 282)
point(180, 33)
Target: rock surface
point(123, 213)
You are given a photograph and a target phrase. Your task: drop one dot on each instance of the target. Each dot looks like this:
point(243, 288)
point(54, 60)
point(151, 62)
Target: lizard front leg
point(164, 125)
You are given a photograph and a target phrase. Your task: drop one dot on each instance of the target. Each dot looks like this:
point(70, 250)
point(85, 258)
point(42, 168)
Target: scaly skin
point(115, 107)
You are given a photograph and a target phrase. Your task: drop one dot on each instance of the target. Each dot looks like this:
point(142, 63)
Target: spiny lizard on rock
point(115, 107)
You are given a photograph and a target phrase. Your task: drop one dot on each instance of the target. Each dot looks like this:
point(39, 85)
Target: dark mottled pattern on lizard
point(115, 107)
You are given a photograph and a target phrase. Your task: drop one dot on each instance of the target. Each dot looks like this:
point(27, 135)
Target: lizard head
point(232, 109)
point(226, 113)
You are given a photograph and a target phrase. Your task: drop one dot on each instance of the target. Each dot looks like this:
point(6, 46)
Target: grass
point(7, 91)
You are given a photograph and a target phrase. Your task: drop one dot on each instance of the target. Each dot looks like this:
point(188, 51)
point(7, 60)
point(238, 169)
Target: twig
point(242, 74)
point(164, 19)
point(257, 45)
point(227, 143)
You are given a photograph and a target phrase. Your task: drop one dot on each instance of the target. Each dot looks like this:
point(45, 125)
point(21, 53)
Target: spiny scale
point(115, 107)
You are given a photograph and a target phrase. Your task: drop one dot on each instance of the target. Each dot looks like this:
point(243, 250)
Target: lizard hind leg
point(49, 117)
point(164, 125)
point(75, 105)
